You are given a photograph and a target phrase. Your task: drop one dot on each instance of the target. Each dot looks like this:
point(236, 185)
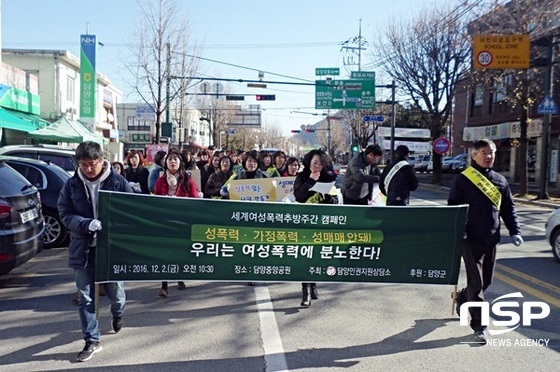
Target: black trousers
point(480, 260)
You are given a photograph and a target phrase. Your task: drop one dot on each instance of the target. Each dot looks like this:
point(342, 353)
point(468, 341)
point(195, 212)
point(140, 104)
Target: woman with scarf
point(175, 182)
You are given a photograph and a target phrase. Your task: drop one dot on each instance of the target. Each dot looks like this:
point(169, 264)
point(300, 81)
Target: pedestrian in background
point(78, 209)
point(398, 179)
point(266, 165)
point(292, 167)
point(314, 170)
point(175, 181)
point(218, 179)
point(157, 170)
point(489, 197)
point(136, 174)
point(361, 175)
point(279, 161)
point(118, 167)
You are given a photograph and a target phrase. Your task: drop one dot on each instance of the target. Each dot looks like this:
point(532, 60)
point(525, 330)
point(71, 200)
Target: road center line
point(272, 343)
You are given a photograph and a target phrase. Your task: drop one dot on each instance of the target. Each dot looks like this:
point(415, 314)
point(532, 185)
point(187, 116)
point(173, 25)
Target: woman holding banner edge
point(175, 181)
point(315, 169)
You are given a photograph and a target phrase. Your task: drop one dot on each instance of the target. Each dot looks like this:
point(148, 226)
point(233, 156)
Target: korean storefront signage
point(157, 238)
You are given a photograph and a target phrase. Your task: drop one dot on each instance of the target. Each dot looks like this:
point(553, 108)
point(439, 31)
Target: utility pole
point(393, 118)
point(352, 50)
point(546, 124)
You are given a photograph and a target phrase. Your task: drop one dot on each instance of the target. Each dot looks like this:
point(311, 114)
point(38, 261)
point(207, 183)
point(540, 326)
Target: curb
point(540, 203)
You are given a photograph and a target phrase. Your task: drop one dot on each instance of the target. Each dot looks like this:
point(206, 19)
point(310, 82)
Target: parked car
point(64, 158)
point(552, 229)
point(421, 164)
point(459, 164)
point(412, 160)
point(447, 163)
point(49, 180)
point(431, 163)
point(21, 221)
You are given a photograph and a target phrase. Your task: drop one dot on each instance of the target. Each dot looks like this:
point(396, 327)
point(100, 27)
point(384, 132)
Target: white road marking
point(272, 343)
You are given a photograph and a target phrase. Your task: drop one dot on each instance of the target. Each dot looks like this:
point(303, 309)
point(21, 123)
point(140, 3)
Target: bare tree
point(518, 89)
point(426, 56)
point(161, 51)
point(218, 113)
point(338, 133)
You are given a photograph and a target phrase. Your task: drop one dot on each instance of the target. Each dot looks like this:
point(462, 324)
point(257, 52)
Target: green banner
point(88, 77)
point(157, 238)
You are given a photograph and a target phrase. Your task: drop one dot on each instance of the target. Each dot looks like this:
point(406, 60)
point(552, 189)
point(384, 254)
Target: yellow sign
point(501, 51)
point(257, 189)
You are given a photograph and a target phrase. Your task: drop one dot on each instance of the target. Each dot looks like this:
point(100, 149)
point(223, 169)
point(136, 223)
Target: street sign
point(501, 51)
point(362, 75)
point(229, 131)
point(322, 71)
point(345, 94)
point(368, 118)
point(234, 98)
point(548, 106)
point(256, 85)
point(441, 145)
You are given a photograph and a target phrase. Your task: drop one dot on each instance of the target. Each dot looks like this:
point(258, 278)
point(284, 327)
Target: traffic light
point(355, 147)
point(266, 97)
point(310, 130)
point(296, 131)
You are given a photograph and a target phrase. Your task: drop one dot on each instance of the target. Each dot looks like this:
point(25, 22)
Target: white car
point(552, 228)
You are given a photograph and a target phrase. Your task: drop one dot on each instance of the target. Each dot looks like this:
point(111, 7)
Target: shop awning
point(34, 119)
point(64, 130)
point(10, 121)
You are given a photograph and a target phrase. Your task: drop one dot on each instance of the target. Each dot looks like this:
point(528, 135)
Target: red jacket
point(161, 188)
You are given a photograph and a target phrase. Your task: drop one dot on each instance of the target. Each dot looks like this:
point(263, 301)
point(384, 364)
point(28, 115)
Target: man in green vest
point(489, 198)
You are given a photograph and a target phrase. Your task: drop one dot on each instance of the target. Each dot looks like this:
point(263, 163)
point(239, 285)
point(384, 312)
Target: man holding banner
point(361, 175)
point(489, 197)
point(78, 208)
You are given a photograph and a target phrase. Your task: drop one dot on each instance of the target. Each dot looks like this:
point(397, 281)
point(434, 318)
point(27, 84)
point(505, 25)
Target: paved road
point(232, 327)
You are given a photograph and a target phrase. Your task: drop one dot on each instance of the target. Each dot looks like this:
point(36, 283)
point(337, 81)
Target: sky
point(286, 39)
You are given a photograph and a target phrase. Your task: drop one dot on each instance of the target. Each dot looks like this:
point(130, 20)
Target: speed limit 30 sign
point(484, 58)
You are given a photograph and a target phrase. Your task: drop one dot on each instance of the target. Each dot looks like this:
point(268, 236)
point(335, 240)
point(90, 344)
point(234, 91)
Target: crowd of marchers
point(486, 192)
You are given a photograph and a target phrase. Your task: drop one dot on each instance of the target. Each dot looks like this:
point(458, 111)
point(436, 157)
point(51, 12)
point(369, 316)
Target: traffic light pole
point(393, 119)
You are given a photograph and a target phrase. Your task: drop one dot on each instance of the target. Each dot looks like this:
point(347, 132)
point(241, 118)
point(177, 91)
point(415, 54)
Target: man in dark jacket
point(361, 174)
point(398, 179)
point(489, 197)
point(77, 206)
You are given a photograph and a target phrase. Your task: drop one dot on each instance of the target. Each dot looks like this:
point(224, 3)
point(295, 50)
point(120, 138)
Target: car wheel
point(55, 231)
point(555, 242)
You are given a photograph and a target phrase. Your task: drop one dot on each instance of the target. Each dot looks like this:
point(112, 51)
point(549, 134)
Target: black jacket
point(304, 182)
point(483, 221)
point(402, 183)
point(355, 177)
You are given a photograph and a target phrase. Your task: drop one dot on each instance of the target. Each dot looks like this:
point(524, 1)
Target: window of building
point(133, 124)
point(70, 89)
point(477, 100)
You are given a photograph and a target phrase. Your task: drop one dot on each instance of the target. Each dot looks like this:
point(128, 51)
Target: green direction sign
point(345, 94)
point(362, 75)
point(322, 71)
point(152, 238)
